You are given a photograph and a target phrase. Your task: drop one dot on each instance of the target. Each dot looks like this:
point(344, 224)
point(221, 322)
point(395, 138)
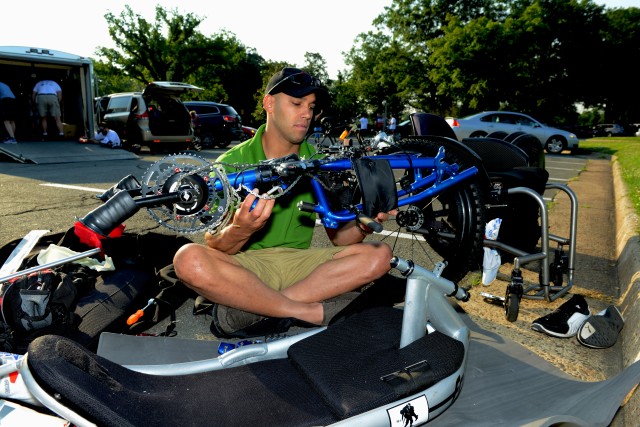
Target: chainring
point(200, 207)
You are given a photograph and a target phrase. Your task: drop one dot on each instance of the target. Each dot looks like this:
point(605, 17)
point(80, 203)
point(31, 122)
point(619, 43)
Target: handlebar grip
point(306, 206)
point(375, 226)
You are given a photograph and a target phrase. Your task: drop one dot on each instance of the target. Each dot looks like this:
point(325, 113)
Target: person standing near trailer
point(47, 96)
point(7, 112)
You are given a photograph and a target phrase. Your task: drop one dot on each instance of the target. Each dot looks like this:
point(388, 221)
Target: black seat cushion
point(264, 393)
point(347, 362)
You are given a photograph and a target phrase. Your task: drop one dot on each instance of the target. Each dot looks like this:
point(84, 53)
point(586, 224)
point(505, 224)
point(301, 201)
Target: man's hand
point(252, 220)
point(246, 221)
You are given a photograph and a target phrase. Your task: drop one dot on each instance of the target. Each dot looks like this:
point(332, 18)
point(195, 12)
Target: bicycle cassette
point(206, 200)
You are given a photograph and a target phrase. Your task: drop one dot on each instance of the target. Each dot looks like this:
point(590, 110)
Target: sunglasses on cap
point(302, 79)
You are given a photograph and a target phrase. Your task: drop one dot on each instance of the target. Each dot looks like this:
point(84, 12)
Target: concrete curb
point(628, 265)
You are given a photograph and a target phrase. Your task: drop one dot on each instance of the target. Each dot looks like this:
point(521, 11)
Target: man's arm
point(347, 234)
point(354, 232)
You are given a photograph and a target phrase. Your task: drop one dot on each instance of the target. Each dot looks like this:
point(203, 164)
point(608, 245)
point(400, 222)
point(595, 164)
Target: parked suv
point(218, 124)
point(156, 117)
point(608, 129)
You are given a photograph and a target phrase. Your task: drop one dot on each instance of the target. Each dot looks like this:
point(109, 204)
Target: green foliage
point(441, 56)
point(627, 151)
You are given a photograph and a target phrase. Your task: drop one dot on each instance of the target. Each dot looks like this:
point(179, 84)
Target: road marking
point(564, 169)
point(558, 179)
point(74, 187)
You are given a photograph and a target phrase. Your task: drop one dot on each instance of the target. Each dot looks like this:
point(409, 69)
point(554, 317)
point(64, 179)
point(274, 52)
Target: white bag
point(491, 260)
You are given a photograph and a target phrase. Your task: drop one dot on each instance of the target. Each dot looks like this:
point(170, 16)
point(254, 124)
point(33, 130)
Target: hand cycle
point(438, 188)
point(440, 193)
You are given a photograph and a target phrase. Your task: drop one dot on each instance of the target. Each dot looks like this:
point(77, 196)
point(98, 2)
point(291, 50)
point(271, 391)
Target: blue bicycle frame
point(440, 176)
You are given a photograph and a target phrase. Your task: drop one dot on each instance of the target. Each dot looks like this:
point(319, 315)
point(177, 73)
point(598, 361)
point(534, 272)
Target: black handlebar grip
point(105, 218)
point(306, 207)
point(375, 226)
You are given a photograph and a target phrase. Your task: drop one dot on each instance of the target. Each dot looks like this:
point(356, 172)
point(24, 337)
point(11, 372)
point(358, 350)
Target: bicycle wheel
point(452, 223)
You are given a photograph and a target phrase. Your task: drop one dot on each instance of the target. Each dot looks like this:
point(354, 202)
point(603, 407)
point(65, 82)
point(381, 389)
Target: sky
point(279, 30)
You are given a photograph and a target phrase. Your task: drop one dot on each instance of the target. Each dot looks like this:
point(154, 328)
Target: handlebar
point(189, 194)
point(408, 268)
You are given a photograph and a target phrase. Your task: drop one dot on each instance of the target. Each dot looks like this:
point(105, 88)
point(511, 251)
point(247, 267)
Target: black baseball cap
point(297, 83)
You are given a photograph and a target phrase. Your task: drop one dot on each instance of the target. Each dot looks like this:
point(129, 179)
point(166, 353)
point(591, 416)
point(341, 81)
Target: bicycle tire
point(457, 211)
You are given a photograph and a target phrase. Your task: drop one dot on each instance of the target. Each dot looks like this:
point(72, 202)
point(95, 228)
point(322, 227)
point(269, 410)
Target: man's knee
point(384, 255)
point(378, 256)
point(188, 259)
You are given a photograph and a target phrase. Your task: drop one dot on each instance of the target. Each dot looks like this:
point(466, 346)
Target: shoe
point(10, 141)
point(230, 322)
point(202, 306)
point(565, 321)
point(334, 306)
point(602, 329)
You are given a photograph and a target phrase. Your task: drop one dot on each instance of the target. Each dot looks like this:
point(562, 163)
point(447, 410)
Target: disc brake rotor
point(200, 206)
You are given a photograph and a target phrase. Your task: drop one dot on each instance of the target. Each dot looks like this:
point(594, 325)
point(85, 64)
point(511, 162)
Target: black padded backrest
point(496, 154)
point(512, 136)
point(498, 134)
point(533, 147)
point(430, 124)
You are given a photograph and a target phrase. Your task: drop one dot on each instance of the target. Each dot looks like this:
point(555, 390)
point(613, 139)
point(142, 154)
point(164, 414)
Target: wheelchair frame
point(562, 264)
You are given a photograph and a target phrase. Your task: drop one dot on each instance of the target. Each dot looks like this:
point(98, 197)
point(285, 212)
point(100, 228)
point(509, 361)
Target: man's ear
point(267, 103)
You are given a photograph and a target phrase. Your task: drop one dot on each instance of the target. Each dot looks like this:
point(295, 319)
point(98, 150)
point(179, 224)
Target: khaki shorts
point(280, 268)
point(48, 105)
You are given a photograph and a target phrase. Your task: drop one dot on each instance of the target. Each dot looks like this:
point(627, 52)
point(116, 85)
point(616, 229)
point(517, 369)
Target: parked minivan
point(155, 118)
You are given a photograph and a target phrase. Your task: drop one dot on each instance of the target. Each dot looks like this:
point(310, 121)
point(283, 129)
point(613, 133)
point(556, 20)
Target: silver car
point(156, 117)
point(506, 122)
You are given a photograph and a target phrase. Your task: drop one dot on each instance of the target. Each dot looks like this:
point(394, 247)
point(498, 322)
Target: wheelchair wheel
point(451, 223)
point(511, 306)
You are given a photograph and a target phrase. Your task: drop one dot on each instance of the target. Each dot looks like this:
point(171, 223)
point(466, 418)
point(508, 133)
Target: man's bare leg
point(219, 278)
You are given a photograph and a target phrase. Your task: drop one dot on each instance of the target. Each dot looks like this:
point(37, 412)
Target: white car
point(505, 122)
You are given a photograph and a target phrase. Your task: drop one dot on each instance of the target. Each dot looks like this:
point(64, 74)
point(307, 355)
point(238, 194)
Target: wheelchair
point(515, 164)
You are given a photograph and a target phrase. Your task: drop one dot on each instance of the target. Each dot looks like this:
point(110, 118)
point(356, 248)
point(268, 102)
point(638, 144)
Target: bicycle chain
point(218, 210)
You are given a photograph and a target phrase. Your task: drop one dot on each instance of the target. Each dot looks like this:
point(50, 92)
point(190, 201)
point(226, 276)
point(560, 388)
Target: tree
point(615, 88)
point(169, 49)
point(172, 49)
point(316, 65)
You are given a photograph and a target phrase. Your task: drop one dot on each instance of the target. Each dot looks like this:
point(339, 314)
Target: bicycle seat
point(352, 367)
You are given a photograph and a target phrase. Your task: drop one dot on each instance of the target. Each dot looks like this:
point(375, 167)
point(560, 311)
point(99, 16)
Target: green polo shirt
point(287, 227)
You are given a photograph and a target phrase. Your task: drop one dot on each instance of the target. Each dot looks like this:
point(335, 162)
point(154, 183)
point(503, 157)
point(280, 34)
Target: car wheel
point(555, 145)
point(207, 141)
point(478, 134)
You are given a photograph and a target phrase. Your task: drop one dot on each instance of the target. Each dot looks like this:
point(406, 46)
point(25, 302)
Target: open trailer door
point(22, 67)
